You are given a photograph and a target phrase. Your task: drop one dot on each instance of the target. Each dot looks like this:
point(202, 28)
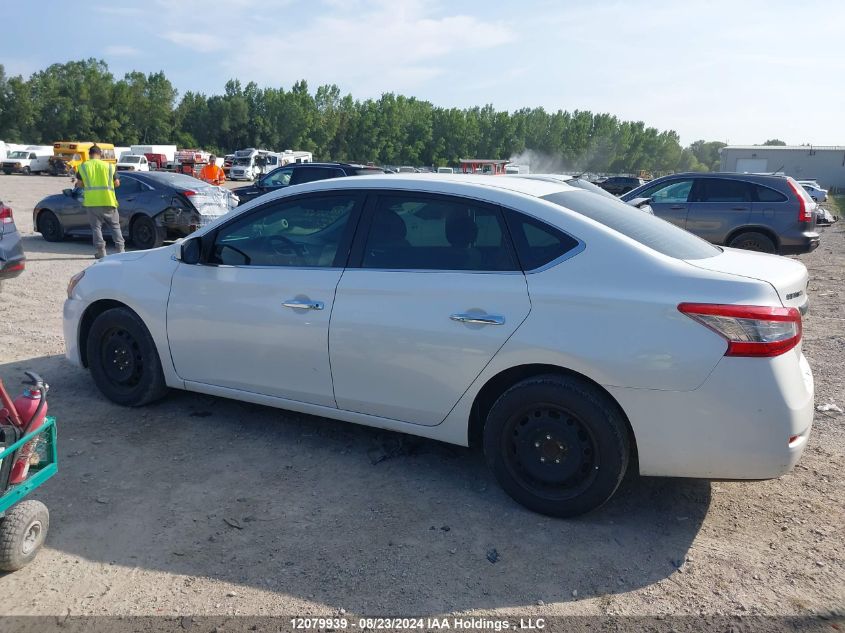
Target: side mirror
point(190, 251)
point(68, 192)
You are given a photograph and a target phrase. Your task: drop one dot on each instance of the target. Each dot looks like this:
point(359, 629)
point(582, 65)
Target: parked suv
point(298, 173)
point(618, 185)
point(772, 214)
point(12, 259)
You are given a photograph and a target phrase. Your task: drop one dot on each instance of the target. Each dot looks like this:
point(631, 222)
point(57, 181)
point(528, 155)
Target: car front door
point(254, 314)
point(432, 292)
point(670, 199)
point(719, 205)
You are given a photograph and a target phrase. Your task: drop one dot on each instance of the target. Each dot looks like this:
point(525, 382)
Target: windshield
point(648, 230)
point(243, 162)
point(130, 159)
point(19, 155)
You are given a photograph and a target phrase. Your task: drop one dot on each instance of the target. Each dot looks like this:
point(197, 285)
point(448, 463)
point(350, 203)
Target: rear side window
point(765, 194)
point(412, 232)
point(312, 174)
point(723, 190)
point(536, 242)
point(648, 230)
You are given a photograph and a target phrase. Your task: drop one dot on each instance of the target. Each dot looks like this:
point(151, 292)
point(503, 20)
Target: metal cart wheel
point(22, 533)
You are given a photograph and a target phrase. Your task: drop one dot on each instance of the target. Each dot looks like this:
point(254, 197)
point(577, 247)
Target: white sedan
point(816, 193)
point(573, 338)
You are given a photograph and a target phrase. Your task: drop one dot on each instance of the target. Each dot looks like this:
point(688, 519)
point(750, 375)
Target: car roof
point(331, 164)
point(459, 184)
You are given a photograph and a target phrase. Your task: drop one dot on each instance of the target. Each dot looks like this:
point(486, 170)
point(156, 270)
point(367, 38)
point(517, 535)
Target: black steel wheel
point(557, 444)
point(144, 233)
point(123, 359)
point(50, 227)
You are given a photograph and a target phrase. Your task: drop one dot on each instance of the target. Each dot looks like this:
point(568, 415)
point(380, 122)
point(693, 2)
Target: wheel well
point(38, 217)
point(754, 229)
point(501, 382)
point(91, 313)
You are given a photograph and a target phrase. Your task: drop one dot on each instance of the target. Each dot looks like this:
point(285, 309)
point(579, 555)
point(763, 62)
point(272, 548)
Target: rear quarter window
point(765, 194)
point(648, 230)
point(537, 243)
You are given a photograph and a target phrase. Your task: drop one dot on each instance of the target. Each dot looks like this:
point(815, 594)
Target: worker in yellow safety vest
point(98, 180)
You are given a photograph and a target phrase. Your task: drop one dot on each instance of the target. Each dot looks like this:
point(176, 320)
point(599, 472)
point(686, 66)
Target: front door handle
point(739, 208)
point(480, 319)
point(678, 207)
point(304, 305)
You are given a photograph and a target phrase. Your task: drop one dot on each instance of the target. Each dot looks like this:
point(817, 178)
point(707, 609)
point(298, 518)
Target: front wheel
point(144, 233)
point(557, 444)
point(22, 533)
point(123, 359)
point(50, 227)
point(26, 171)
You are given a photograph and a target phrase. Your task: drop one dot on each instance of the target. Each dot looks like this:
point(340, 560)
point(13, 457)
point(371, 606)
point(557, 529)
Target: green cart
point(24, 523)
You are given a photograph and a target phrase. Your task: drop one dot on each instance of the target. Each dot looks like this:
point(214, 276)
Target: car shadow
point(333, 512)
point(34, 246)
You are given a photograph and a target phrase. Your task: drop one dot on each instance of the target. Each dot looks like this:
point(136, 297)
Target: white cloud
point(367, 47)
point(200, 42)
point(117, 50)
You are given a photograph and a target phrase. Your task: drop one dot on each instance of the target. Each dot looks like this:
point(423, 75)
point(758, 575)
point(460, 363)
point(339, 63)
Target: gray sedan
point(153, 207)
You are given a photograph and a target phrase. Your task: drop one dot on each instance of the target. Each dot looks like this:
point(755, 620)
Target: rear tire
point(754, 241)
point(144, 233)
point(557, 444)
point(50, 227)
point(123, 359)
point(22, 533)
point(26, 171)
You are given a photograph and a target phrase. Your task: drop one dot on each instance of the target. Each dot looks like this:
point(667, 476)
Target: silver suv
point(772, 214)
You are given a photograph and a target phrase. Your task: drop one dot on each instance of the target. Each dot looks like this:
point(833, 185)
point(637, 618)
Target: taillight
point(749, 330)
point(6, 216)
point(805, 214)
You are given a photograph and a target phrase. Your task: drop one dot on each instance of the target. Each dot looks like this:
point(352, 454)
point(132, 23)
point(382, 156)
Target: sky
point(740, 72)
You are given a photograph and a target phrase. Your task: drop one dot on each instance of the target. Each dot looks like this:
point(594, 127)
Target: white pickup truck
point(27, 161)
point(133, 162)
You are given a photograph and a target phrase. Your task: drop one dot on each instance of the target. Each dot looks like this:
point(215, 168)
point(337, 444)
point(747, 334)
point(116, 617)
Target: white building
point(825, 164)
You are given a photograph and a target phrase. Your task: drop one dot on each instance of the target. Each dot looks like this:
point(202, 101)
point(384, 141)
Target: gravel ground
point(206, 506)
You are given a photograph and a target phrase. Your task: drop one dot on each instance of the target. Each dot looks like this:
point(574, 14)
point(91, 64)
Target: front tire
point(123, 359)
point(557, 444)
point(26, 171)
point(144, 233)
point(22, 533)
point(50, 227)
point(754, 241)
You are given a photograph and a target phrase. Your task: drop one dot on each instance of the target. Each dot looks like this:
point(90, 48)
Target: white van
point(32, 160)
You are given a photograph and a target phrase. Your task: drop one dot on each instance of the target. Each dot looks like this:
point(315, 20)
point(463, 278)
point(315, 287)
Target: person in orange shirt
point(211, 173)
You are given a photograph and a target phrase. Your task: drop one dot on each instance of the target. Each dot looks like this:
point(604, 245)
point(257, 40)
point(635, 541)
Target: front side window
point(312, 174)
point(308, 232)
point(279, 178)
point(425, 233)
point(673, 192)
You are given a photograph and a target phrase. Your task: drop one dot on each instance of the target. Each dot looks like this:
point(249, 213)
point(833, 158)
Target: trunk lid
point(788, 277)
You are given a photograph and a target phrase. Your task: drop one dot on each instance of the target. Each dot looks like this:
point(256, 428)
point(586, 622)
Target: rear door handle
point(304, 305)
point(480, 319)
point(739, 208)
point(678, 207)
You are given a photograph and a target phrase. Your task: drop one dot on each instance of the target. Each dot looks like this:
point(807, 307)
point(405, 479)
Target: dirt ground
point(198, 505)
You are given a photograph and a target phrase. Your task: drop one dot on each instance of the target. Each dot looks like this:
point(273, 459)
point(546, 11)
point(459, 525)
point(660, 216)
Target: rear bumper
point(808, 242)
point(749, 420)
point(12, 268)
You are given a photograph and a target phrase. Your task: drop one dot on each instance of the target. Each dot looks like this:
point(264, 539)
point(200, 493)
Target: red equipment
point(27, 412)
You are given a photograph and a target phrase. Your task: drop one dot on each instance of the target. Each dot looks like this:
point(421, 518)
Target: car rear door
point(718, 206)
point(255, 315)
point(432, 292)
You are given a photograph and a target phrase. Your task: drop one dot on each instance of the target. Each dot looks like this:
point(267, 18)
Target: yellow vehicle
point(74, 153)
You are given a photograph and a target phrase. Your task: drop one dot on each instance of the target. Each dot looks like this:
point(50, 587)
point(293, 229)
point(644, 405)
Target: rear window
point(365, 172)
point(648, 230)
